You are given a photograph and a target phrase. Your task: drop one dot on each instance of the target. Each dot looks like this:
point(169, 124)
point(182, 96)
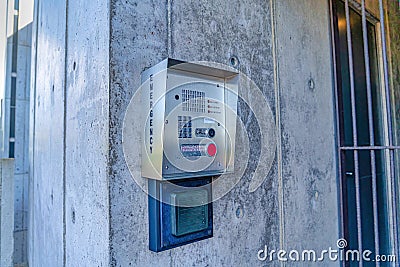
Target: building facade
point(328, 71)
point(15, 75)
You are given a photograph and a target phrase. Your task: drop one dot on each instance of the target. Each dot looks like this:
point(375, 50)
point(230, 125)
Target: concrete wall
point(46, 183)
point(15, 111)
point(25, 18)
point(69, 135)
point(205, 30)
point(310, 204)
point(5, 116)
point(72, 120)
point(86, 134)
point(3, 52)
point(296, 206)
point(7, 212)
point(84, 205)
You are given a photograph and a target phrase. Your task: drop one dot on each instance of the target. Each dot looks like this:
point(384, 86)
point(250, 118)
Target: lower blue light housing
point(161, 213)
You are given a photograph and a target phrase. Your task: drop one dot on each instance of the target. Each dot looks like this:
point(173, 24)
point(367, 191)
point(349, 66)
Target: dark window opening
point(360, 194)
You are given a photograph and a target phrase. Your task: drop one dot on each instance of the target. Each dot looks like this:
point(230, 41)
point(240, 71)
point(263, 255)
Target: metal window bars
point(388, 147)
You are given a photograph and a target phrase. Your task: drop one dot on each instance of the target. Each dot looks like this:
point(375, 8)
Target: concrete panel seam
point(110, 259)
point(278, 128)
point(65, 133)
point(32, 138)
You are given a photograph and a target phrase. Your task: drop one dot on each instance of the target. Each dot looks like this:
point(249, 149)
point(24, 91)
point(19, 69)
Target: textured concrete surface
point(17, 77)
point(3, 51)
point(138, 29)
point(85, 206)
point(211, 31)
point(69, 149)
point(86, 134)
point(7, 212)
point(6, 93)
point(307, 116)
point(215, 31)
point(47, 127)
point(22, 139)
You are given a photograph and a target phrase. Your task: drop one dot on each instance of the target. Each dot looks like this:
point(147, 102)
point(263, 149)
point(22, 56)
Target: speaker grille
point(193, 101)
point(190, 213)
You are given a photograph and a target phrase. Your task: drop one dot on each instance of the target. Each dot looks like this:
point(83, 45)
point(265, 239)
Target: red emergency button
point(212, 150)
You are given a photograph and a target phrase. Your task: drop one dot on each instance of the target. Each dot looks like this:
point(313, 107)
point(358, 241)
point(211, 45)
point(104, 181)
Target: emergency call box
point(190, 120)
